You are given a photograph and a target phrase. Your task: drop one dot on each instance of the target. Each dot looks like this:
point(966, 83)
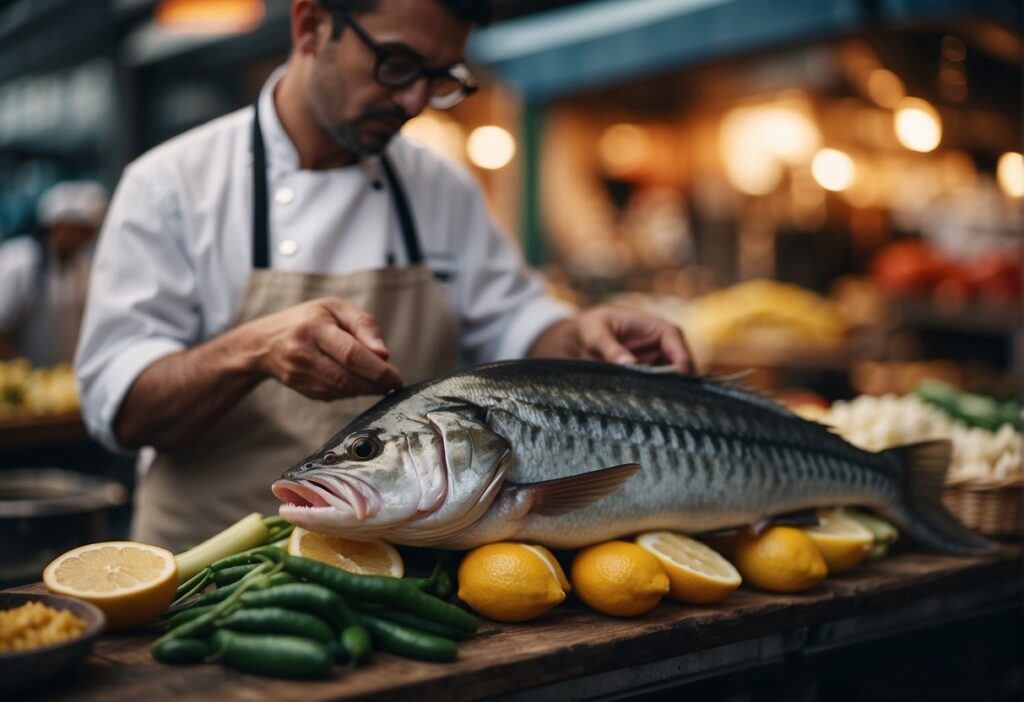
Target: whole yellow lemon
point(511, 582)
point(619, 578)
point(782, 559)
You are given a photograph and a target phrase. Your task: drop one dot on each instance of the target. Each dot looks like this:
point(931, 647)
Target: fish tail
point(920, 511)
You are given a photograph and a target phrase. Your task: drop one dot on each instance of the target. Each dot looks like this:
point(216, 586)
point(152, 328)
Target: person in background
point(44, 279)
point(261, 277)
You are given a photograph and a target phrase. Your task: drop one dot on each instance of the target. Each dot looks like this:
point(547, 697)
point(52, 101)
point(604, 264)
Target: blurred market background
point(825, 192)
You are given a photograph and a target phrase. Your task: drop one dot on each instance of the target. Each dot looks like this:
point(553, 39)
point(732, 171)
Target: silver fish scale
point(705, 452)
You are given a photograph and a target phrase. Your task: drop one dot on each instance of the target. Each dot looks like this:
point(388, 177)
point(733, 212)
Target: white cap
point(82, 202)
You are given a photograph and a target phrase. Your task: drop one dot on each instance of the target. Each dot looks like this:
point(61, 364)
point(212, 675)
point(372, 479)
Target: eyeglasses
point(399, 67)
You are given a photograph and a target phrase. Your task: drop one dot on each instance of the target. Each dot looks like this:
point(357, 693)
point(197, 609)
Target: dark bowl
point(45, 512)
point(37, 667)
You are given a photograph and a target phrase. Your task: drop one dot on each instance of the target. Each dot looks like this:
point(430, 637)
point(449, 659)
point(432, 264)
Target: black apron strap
point(261, 204)
point(409, 234)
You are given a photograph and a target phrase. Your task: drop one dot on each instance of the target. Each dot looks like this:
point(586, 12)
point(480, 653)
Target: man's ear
point(311, 26)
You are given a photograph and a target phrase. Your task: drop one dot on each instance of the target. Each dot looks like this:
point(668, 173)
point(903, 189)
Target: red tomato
point(907, 267)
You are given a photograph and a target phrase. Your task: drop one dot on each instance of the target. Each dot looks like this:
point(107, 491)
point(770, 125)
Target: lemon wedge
point(131, 583)
point(843, 541)
point(696, 572)
point(362, 557)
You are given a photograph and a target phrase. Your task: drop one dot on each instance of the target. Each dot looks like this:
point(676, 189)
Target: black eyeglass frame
point(457, 72)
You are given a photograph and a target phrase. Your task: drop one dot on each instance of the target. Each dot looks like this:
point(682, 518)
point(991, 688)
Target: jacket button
point(284, 195)
point(288, 247)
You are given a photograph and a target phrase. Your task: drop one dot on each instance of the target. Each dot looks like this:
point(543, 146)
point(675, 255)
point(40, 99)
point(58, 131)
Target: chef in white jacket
point(44, 279)
point(260, 278)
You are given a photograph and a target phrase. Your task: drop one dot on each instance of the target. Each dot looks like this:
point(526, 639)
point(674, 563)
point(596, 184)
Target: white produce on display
point(879, 422)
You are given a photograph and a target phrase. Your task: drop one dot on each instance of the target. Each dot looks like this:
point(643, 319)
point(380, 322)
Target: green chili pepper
point(275, 656)
point(409, 642)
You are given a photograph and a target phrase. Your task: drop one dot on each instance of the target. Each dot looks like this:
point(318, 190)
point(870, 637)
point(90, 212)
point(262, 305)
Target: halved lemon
point(696, 573)
point(132, 583)
point(843, 541)
point(363, 557)
point(884, 532)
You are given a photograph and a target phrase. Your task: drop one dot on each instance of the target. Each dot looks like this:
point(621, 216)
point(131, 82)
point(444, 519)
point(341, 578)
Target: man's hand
point(325, 349)
point(616, 335)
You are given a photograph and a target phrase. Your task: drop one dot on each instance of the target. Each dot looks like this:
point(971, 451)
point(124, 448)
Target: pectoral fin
point(553, 497)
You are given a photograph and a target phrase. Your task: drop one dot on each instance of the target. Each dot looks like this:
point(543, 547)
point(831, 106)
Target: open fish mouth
point(347, 495)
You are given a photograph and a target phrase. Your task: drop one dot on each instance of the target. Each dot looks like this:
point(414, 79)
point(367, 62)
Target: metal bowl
point(21, 670)
point(47, 511)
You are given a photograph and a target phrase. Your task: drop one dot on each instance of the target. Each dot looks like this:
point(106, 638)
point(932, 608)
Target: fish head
point(397, 477)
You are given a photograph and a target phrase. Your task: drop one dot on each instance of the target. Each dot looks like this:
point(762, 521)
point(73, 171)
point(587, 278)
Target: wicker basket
point(987, 505)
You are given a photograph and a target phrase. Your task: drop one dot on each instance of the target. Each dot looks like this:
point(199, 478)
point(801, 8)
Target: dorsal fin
point(731, 385)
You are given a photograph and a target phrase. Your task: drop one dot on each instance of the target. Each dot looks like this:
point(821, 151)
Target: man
point(44, 279)
point(259, 277)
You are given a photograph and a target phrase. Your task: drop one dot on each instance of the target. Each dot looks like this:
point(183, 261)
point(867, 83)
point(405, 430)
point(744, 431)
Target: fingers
point(359, 324)
point(353, 356)
point(619, 335)
point(321, 378)
point(598, 339)
point(675, 350)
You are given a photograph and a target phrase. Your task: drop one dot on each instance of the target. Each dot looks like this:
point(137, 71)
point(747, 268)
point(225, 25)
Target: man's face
point(68, 237)
point(348, 103)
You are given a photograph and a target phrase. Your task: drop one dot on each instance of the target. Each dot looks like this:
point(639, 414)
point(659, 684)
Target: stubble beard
point(326, 91)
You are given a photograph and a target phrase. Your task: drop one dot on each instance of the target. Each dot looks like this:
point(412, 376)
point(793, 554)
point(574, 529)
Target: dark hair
point(475, 11)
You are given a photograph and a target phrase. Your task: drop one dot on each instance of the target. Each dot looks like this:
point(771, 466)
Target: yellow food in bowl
point(34, 625)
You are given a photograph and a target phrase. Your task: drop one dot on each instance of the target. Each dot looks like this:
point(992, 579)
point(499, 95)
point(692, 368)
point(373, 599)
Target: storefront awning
point(601, 43)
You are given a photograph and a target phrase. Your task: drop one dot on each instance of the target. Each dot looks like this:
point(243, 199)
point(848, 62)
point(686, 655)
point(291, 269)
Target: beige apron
point(192, 493)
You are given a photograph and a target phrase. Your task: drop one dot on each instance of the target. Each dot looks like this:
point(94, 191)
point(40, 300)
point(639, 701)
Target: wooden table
point(573, 652)
point(29, 432)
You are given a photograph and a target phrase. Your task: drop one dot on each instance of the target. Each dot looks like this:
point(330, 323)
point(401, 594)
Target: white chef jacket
point(175, 251)
point(41, 307)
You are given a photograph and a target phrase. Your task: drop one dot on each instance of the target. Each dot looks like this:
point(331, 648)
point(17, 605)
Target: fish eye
point(364, 448)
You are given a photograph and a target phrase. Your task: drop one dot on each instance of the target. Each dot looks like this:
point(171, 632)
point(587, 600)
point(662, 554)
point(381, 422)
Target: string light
point(623, 148)
point(918, 126)
point(490, 147)
point(833, 169)
point(1010, 173)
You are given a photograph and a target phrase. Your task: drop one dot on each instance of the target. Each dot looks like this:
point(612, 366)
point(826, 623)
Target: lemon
point(696, 573)
point(132, 583)
point(511, 582)
point(843, 541)
point(553, 563)
point(619, 578)
point(885, 533)
point(362, 557)
point(782, 559)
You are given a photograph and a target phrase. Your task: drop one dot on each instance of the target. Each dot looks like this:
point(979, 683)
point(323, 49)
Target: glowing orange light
point(833, 169)
point(211, 16)
point(885, 87)
point(918, 126)
point(1010, 174)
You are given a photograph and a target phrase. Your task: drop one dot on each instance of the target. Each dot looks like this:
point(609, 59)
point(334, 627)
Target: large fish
point(569, 453)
